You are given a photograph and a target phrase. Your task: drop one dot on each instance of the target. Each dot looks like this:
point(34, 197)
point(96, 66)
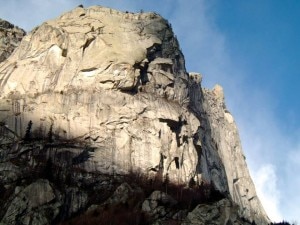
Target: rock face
point(156, 204)
point(115, 79)
point(117, 82)
point(10, 37)
point(221, 212)
point(34, 196)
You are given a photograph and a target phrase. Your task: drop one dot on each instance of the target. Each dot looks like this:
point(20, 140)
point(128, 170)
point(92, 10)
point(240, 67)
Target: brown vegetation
point(63, 172)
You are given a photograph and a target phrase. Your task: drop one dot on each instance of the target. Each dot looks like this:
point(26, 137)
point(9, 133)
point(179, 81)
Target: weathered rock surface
point(30, 204)
point(115, 79)
point(223, 212)
point(124, 194)
point(10, 38)
point(225, 134)
point(115, 83)
point(159, 204)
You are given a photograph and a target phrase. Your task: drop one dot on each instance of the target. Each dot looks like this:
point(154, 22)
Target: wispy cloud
point(273, 151)
point(291, 188)
point(30, 13)
point(267, 190)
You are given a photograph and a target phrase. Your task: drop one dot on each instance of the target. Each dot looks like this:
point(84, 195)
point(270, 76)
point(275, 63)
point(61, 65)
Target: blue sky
point(251, 48)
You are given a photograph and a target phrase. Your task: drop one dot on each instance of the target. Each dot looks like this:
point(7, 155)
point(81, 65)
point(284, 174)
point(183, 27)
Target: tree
point(166, 182)
point(27, 136)
point(50, 133)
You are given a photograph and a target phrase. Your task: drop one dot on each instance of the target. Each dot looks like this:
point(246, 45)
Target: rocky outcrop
point(220, 146)
point(10, 38)
point(115, 79)
point(29, 205)
point(221, 212)
point(98, 91)
point(224, 135)
point(159, 205)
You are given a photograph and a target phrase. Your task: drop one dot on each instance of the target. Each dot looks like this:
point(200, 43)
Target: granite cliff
point(98, 94)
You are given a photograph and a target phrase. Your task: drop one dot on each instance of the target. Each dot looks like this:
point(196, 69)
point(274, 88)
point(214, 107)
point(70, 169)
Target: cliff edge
point(10, 37)
point(115, 82)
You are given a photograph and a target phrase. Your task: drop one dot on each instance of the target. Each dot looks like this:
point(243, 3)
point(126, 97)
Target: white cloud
point(291, 188)
point(267, 191)
point(265, 144)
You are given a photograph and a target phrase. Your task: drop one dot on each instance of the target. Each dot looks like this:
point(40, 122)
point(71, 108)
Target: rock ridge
point(106, 92)
point(10, 37)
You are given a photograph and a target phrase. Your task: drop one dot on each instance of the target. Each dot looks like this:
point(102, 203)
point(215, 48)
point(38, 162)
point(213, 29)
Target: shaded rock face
point(116, 82)
point(29, 203)
point(221, 212)
point(10, 38)
point(224, 134)
point(156, 204)
point(222, 159)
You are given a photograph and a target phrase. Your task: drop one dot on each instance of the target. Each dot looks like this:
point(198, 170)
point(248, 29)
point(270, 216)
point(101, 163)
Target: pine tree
point(27, 136)
point(50, 133)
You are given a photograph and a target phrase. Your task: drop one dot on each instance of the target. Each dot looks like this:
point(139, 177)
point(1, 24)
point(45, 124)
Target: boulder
point(30, 204)
point(159, 205)
point(220, 213)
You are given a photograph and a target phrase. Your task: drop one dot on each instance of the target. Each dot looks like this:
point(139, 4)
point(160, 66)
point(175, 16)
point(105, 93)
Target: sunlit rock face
point(117, 81)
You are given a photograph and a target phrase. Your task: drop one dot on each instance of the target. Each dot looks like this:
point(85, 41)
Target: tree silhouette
point(27, 136)
point(50, 133)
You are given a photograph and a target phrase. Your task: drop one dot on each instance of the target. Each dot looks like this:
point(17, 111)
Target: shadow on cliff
point(61, 162)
